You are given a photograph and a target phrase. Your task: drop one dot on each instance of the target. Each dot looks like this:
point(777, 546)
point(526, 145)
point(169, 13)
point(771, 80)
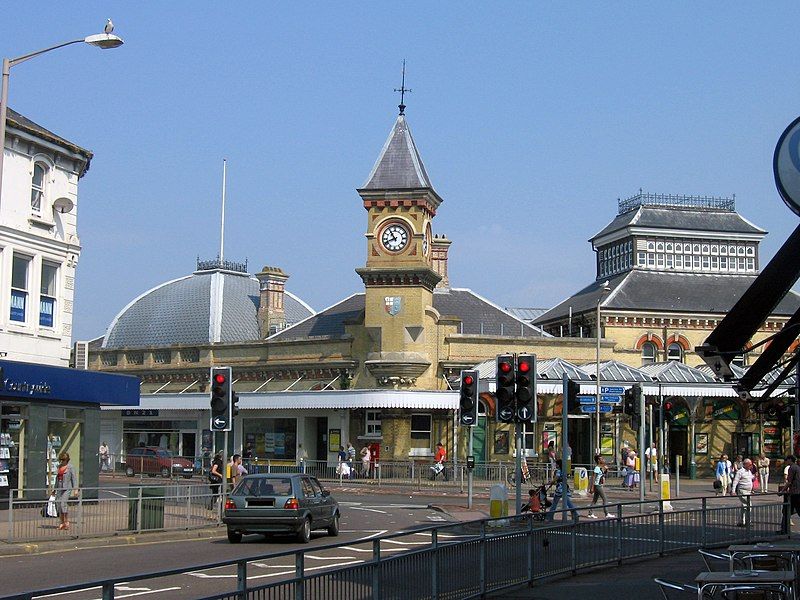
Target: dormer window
point(38, 185)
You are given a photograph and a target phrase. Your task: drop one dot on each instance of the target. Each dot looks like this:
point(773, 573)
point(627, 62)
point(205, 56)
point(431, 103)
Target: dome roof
point(204, 307)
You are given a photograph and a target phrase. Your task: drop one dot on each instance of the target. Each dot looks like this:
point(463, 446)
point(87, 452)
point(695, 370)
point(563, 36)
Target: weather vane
point(403, 89)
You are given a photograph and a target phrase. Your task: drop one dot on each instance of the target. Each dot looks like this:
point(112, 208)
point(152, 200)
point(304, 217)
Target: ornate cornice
point(399, 277)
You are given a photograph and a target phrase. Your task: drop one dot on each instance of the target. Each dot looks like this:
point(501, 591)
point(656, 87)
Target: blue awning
point(59, 384)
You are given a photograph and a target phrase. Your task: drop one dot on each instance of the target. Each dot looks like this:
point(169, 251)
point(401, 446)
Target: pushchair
point(436, 469)
point(538, 504)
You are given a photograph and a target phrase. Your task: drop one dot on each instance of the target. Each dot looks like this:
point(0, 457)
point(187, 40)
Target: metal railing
point(469, 560)
point(111, 511)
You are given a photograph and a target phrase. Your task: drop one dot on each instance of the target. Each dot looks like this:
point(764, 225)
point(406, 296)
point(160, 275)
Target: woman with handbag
point(215, 478)
point(66, 486)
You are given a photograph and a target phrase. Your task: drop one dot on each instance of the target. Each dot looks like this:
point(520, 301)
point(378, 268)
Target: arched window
point(648, 353)
point(675, 352)
point(38, 184)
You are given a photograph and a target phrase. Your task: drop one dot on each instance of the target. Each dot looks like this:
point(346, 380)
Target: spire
point(399, 165)
point(403, 89)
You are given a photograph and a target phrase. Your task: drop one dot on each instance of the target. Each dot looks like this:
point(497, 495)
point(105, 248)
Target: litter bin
point(151, 500)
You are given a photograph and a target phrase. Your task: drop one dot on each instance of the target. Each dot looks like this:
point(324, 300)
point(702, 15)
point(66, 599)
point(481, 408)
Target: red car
point(153, 461)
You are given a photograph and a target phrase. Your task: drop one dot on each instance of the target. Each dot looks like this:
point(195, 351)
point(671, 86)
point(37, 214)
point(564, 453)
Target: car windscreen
point(261, 486)
point(164, 453)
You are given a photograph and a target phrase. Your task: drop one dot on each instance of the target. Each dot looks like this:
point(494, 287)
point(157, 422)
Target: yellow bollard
point(664, 482)
point(498, 501)
point(580, 481)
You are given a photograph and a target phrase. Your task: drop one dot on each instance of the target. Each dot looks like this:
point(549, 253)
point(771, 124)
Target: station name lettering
point(23, 387)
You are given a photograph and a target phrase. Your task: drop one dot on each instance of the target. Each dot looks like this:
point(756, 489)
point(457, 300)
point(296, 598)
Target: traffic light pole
point(469, 472)
point(641, 445)
point(662, 458)
point(564, 439)
point(518, 465)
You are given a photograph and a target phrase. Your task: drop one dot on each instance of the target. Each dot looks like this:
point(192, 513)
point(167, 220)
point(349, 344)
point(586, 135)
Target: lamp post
point(604, 289)
point(101, 40)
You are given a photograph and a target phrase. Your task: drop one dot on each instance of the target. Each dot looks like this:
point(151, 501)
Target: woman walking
point(723, 475)
point(598, 483)
point(66, 486)
point(215, 478)
point(763, 472)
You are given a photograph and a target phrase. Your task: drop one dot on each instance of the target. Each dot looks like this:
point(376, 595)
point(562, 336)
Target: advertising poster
point(334, 440)
point(269, 443)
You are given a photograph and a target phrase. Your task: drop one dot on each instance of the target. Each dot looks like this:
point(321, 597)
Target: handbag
point(717, 484)
point(49, 510)
point(214, 478)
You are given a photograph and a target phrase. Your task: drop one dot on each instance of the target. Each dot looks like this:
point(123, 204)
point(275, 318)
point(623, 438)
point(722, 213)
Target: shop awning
point(336, 399)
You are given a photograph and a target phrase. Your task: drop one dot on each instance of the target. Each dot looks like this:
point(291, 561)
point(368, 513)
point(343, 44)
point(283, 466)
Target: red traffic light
point(504, 367)
point(667, 405)
point(524, 366)
point(468, 380)
point(219, 378)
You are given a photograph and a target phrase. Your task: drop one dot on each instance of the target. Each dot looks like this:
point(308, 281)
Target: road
point(363, 517)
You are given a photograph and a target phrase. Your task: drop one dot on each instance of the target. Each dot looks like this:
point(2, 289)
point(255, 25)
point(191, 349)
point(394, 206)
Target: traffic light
point(573, 389)
point(632, 402)
point(468, 398)
point(669, 411)
point(525, 393)
point(504, 390)
point(221, 400)
point(234, 403)
point(777, 410)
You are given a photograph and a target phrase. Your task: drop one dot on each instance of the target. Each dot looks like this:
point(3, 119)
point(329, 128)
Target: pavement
point(633, 579)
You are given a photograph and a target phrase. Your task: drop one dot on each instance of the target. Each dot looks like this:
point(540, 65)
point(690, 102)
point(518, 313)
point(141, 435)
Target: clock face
point(394, 238)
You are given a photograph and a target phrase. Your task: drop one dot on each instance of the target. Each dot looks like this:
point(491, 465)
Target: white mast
point(222, 224)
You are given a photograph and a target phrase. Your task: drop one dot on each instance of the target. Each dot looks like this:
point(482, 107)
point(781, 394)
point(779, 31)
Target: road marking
point(375, 510)
point(289, 571)
point(141, 592)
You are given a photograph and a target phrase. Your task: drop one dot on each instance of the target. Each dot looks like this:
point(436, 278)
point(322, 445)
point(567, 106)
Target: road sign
point(587, 400)
point(611, 389)
point(590, 408)
point(609, 399)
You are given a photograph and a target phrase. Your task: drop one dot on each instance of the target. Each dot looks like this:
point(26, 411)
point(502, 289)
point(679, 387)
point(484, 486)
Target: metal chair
point(749, 592)
point(767, 562)
point(673, 589)
point(718, 562)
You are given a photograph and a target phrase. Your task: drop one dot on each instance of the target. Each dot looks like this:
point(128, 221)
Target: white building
point(39, 244)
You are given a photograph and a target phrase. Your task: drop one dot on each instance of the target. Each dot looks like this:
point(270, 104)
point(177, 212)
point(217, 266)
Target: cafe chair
point(717, 562)
point(749, 592)
point(673, 589)
point(767, 562)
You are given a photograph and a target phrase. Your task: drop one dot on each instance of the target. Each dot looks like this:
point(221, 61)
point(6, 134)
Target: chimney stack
point(439, 249)
point(271, 314)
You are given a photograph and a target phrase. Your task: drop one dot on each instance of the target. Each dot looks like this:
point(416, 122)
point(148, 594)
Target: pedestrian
point(651, 456)
point(247, 452)
point(743, 487)
point(763, 472)
point(365, 458)
point(630, 469)
point(737, 463)
point(215, 478)
point(302, 457)
point(104, 455)
point(351, 458)
point(235, 470)
point(792, 489)
point(598, 483)
point(722, 474)
point(551, 457)
point(561, 491)
point(439, 460)
point(342, 469)
point(730, 475)
point(66, 486)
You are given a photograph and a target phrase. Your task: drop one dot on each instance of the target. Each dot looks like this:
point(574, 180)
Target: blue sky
point(531, 118)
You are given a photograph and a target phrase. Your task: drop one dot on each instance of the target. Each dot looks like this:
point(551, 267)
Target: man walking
point(562, 490)
point(652, 460)
point(439, 461)
point(598, 483)
point(792, 489)
point(743, 488)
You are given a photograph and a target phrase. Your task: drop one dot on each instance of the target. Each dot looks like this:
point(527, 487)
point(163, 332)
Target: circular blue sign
point(786, 166)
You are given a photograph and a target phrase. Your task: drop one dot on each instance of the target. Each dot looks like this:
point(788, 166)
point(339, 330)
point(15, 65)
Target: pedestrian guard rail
point(473, 559)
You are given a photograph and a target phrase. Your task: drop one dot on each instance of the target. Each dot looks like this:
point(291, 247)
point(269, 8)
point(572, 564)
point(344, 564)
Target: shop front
point(45, 411)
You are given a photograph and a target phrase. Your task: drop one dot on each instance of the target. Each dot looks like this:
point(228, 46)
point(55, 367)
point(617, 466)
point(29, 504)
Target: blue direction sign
point(604, 408)
point(611, 389)
point(587, 400)
point(606, 399)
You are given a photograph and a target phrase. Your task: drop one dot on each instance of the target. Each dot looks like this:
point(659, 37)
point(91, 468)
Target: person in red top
point(439, 459)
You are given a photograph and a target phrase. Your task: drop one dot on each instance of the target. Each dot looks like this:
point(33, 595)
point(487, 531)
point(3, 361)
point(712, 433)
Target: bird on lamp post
point(109, 28)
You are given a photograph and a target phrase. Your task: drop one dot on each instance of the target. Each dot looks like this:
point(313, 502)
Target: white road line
point(117, 494)
point(142, 592)
point(375, 510)
point(289, 571)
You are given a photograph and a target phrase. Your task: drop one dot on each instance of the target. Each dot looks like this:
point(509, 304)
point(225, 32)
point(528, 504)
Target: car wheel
point(165, 472)
point(129, 471)
point(304, 534)
point(333, 530)
point(234, 537)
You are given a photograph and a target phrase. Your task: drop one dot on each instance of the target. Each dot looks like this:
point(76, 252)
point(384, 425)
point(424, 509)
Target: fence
point(468, 560)
point(115, 511)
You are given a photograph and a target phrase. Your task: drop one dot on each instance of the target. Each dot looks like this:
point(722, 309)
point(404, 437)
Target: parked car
point(280, 503)
point(153, 461)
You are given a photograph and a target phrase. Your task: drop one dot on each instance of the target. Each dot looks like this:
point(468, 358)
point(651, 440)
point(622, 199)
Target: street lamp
point(604, 289)
point(101, 40)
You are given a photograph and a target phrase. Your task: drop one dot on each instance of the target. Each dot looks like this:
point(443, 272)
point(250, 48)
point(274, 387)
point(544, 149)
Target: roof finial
point(403, 89)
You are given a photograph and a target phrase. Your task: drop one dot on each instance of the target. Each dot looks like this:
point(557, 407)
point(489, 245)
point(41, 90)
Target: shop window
point(421, 431)
point(47, 297)
point(134, 358)
point(191, 355)
point(648, 353)
point(272, 438)
point(38, 184)
point(162, 357)
point(675, 352)
point(529, 439)
point(19, 287)
point(109, 359)
point(373, 423)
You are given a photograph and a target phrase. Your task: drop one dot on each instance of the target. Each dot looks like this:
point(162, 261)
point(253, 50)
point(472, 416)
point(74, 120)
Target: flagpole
point(222, 221)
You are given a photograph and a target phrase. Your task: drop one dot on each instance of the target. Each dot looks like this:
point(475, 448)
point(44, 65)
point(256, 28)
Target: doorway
point(744, 444)
point(322, 439)
point(188, 448)
point(677, 445)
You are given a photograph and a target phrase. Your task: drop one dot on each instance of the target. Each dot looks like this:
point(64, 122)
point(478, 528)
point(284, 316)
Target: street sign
point(607, 399)
point(587, 400)
point(604, 408)
point(611, 389)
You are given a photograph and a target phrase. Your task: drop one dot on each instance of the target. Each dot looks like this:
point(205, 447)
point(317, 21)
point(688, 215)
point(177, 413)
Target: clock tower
point(399, 276)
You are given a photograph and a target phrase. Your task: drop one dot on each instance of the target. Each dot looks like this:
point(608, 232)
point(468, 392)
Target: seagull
point(109, 26)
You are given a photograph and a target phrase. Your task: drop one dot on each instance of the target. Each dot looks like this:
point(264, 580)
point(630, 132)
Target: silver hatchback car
point(280, 503)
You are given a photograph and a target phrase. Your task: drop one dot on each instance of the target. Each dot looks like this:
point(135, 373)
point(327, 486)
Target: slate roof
point(676, 372)
point(527, 314)
point(15, 119)
point(207, 306)
point(681, 218)
point(399, 165)
point(478, 316)
point(666, 291)
point(612, 370)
